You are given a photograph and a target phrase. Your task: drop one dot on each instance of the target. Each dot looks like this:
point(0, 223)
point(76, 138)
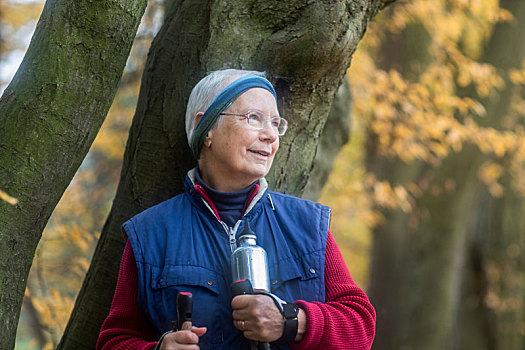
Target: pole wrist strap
point(289, 312)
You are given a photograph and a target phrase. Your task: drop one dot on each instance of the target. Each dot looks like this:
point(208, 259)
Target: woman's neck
point(201, 181)
point(222, 183)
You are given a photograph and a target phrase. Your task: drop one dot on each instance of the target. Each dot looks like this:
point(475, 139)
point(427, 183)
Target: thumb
point(200, 331)
point(186, 326)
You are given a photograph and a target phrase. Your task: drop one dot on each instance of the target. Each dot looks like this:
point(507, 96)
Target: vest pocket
point(298, 278)
point(168, 282)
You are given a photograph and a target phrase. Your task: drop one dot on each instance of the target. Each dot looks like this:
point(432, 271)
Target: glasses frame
point(247, 118)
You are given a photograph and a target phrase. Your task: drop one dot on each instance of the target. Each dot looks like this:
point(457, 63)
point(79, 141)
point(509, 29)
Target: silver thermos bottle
point(249, 261)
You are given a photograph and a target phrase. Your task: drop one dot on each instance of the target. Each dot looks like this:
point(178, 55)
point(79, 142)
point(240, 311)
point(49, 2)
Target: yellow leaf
point(477, 107)
point(489, 173)
point(11, 200)
point(438, 148)
point(505, 16)
point(517, 76)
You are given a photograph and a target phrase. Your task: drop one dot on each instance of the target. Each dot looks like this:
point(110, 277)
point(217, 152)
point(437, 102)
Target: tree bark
point(430, 283)
point(49, 116)
point(335, 134)
point(305, 47)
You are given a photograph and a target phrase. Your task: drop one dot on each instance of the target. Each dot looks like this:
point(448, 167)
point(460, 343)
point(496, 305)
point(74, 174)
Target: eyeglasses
point(257, 120)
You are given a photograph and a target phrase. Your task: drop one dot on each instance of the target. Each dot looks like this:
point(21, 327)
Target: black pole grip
point(184, 308)
point(241, 287)
point(244, 287)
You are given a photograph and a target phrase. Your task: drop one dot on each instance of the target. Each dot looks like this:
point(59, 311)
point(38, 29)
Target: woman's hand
point(258, 317)
point(183, 340)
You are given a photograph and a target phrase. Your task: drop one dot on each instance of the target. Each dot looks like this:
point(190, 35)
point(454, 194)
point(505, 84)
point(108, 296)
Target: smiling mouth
point(262, 153)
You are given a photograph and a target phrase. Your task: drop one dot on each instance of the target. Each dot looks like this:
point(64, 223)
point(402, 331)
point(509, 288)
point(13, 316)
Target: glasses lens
point(279, 124)
point(255, 119)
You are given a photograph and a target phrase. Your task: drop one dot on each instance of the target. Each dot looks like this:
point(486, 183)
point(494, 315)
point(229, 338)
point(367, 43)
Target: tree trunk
point(49, 116)
point(492, 313)
point(305, 47)
point(430, 283)
point(335, 135)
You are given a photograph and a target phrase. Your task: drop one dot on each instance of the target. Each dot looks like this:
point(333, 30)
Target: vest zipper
point(231, 232)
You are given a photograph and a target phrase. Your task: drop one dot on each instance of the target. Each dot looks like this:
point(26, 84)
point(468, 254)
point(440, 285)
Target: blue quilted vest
point(180, 245)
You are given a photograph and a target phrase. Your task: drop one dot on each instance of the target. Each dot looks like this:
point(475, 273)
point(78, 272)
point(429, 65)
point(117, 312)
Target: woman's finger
point(200, 331)
point(241, 301)
point(181, 337)
point(186, 326)
point(240, 324)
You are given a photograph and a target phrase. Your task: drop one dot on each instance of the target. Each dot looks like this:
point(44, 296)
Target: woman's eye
point(255, 117)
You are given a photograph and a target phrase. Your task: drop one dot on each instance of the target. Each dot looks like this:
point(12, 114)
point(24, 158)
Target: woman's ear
point(198, 117)
point(207, 141)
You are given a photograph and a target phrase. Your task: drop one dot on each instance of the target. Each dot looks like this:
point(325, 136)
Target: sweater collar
point(209, 196)
point(224, 200)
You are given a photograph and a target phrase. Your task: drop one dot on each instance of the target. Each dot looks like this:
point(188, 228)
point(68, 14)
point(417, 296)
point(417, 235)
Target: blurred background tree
point(438, 139)
point(444, 154)
point(427, 196)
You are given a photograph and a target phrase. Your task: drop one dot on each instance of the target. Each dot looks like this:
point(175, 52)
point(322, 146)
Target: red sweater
point(345, 321)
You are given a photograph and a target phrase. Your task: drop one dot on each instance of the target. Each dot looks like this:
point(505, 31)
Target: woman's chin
point(257, 172)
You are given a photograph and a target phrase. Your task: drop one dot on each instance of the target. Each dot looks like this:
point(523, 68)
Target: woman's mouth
point(261, 153)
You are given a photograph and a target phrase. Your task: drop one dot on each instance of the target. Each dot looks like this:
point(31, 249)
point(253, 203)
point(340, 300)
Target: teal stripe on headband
point(223, 101)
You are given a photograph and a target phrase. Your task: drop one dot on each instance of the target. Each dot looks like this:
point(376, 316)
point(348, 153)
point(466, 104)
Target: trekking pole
point(244, 287)
point(184, 311)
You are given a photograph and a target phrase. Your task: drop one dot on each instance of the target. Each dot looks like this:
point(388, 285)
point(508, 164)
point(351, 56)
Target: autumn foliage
point(423, 113)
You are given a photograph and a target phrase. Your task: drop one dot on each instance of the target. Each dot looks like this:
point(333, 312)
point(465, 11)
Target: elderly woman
point(184, 244)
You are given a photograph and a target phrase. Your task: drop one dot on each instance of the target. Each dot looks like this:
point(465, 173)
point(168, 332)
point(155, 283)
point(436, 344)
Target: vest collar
point(190, 186)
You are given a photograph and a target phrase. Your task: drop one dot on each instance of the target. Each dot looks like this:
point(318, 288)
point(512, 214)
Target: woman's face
point(234, 155)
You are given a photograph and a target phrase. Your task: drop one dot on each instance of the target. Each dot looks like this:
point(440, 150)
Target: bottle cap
point(247, 232)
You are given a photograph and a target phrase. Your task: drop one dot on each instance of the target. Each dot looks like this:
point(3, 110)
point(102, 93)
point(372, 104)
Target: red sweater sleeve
point(126, 326)
point(347, 319)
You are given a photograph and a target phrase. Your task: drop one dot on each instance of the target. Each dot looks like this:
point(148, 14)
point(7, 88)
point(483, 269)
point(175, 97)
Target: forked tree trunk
point(49, 117)
point(305, 47)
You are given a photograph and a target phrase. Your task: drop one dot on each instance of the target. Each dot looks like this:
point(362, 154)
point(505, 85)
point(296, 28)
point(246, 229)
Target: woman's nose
point(268, 132)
